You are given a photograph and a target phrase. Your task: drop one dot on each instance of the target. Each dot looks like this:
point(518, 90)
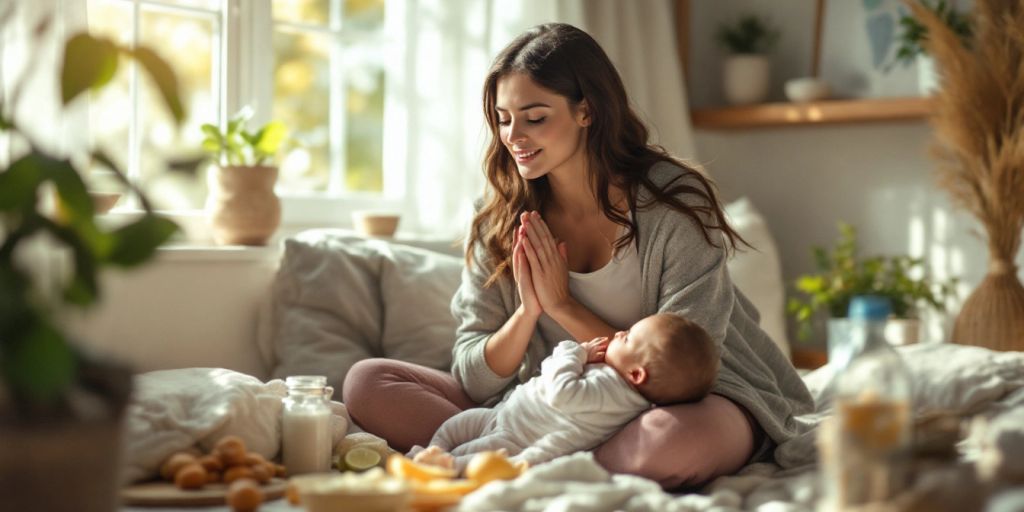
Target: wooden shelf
point(817, 112)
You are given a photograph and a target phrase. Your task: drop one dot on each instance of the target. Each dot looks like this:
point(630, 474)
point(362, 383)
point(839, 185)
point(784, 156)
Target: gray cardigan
point(681, 273)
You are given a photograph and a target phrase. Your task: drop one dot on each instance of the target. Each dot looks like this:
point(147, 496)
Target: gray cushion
point(339, 298)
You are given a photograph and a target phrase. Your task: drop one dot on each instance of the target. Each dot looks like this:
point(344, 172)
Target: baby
point(576, 402)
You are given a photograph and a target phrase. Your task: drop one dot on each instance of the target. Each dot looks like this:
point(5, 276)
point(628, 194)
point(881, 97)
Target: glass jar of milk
point(306, 425)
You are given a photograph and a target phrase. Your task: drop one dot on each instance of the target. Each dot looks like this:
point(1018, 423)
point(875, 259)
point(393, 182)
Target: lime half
point(361, 459)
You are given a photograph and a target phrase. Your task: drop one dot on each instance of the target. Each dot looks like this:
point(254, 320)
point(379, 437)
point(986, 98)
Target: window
point(316, 65)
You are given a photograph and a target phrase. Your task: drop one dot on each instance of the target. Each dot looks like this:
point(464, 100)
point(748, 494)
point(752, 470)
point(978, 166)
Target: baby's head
point(668, 359)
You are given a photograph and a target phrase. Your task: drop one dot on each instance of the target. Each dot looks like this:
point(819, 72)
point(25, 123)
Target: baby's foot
point(435, 456)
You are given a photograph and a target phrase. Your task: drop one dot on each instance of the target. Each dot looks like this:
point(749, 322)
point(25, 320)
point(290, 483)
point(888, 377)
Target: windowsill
point(194, 252)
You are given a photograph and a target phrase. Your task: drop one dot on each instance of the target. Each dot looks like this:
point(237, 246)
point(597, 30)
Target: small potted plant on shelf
point(842, 274)
point(746, 70)
point(61, 407)
point(911, 41)
point(242, 207)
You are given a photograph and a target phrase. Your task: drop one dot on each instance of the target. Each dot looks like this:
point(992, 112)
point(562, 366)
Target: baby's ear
point(638, 375)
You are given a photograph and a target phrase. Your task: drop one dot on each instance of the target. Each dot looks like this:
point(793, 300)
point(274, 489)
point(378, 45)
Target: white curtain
point(31, 62)
point(434, 126)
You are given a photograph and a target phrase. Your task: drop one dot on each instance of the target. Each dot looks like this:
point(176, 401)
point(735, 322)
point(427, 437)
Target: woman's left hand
point(548, 264)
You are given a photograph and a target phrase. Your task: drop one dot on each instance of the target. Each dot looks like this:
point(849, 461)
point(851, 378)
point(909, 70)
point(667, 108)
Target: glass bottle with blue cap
point(865, 447)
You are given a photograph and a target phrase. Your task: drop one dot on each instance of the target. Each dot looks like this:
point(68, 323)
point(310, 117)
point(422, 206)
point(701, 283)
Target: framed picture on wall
point(860, 42)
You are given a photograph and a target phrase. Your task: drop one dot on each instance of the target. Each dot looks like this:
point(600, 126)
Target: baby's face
point(626, 349)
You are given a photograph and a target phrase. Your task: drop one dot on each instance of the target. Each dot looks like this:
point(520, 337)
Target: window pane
point(212, 5)
point(302, 103)
point(187, 42)
point(364, 129)
point(316, 12)
point(363, 14)
point(110, 111)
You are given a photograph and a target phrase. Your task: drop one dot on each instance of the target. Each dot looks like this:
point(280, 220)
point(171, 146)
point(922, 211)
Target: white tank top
point(611, 292)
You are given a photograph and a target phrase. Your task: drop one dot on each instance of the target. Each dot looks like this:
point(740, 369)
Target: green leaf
point(75, 201)
point(20, 183)
point(269, 138)
point(166, 82)
point(41, 366)
point(211, 145)
point(210, 130)
point(810, 284)
point(135, 243)
point(89, 63)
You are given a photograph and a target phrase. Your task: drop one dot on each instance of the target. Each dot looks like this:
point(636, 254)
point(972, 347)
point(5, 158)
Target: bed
point(338, 298)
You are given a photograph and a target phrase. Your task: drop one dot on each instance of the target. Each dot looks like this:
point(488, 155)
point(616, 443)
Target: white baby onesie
point(570, 406)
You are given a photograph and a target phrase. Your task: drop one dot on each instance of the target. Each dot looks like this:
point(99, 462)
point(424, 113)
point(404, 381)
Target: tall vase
point(993, 315)
point(243, 208)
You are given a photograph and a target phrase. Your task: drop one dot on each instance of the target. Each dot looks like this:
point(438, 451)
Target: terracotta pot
point(243, 208)
point(64, 466)
point(993, 315)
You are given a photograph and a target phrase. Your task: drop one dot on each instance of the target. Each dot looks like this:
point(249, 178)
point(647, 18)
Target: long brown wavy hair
point(567, 61)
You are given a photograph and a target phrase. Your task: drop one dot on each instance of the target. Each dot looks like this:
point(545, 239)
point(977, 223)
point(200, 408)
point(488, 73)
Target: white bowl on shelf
point(805, 89)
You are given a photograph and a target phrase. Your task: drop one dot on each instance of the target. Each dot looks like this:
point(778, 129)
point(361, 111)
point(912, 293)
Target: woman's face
point(538, 127)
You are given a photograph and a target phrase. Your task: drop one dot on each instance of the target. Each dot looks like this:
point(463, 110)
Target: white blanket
point(173, 410)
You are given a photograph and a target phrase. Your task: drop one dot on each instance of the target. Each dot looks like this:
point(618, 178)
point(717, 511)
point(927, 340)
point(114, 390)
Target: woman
point(585, 229)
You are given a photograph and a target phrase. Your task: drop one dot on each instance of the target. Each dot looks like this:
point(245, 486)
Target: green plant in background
point(748, 35)
point(911, 39)
point(237, 146)
point(43, 374)
point(842, 275)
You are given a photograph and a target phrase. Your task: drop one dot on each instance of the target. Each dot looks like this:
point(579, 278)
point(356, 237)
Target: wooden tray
point(165, 494)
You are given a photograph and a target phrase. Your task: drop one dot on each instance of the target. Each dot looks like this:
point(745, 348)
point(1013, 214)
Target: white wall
point(877, 176)
point(191, 307)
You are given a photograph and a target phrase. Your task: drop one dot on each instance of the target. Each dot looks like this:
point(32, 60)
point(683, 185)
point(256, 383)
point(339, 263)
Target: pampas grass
point(979, 123)
point(979, 118)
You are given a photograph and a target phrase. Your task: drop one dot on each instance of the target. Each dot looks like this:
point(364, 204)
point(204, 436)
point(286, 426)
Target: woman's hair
point(567, 61)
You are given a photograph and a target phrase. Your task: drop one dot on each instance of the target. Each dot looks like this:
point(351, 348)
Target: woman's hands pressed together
point(547, 264)
point(521, 274)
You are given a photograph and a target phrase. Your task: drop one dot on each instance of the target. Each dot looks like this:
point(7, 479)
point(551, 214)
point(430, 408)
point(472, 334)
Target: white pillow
point(757, 272)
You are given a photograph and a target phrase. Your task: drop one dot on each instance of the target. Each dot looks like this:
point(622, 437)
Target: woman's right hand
point(523, 277)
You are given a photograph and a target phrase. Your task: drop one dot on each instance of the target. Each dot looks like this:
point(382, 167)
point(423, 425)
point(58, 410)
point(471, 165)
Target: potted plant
point(242, 207)
point(60, 407)
point(842, 275)
point(914, 33)
point(746, 71)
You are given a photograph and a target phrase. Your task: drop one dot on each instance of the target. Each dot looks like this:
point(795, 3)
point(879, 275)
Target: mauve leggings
point(681, 445)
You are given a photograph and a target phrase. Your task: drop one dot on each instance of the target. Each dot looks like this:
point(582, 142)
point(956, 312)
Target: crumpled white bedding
point(173, 410)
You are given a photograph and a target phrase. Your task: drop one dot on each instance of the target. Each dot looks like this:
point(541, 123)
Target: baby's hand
point(596, 349)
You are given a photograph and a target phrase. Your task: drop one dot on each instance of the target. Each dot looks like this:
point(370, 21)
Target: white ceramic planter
point(745, 79)
point(927, 75)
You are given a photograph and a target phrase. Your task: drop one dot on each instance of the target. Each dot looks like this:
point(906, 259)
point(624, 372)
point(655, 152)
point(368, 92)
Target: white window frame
point(243, 75)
